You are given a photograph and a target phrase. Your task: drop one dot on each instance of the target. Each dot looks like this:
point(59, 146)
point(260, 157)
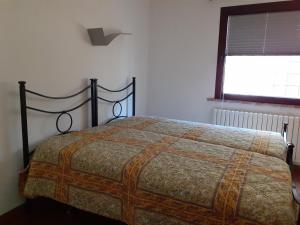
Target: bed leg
point(28, 205)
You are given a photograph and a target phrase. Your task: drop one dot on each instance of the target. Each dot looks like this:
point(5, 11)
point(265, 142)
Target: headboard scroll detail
point(119, 102)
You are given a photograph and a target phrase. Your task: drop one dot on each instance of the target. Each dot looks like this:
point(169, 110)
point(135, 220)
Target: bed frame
point(94, 98)
point(289, 159)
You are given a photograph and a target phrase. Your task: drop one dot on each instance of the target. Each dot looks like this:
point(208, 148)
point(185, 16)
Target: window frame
point(226, 12)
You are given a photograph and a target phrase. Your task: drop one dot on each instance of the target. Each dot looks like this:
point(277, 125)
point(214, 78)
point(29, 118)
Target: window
point(259, 53)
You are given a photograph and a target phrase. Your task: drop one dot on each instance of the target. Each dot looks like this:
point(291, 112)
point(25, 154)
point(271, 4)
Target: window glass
point(269, 76)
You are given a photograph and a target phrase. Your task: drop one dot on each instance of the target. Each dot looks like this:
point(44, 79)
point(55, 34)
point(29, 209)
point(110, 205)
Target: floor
point(47, 212)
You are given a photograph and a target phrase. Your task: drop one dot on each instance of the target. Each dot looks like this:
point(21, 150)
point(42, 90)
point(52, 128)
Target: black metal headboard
point(94, 99)
point(118, 102)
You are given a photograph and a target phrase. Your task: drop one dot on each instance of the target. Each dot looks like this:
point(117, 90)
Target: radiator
point(261, 121)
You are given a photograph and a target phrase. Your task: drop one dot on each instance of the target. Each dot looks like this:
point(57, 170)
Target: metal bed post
point(289, 159)
point(94, 102)
point(24, 123)
point(290, 147)
point(133, 96)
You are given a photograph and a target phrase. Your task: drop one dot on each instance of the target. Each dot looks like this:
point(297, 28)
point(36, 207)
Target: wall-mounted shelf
point(99, 39)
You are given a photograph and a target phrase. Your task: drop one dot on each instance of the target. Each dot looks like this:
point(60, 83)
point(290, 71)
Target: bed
point(156, 171)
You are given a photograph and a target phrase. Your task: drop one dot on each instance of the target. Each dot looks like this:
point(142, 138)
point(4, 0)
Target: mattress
point(142, 172)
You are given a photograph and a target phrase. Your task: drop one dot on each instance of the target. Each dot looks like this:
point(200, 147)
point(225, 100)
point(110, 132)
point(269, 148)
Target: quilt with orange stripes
point(144, 177)
point(264, 142)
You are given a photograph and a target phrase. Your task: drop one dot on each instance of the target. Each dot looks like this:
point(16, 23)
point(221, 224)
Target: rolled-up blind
point(264, 34)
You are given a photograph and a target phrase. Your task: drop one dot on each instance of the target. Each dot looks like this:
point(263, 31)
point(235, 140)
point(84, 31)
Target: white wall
point(45, 43)
point(183, 58)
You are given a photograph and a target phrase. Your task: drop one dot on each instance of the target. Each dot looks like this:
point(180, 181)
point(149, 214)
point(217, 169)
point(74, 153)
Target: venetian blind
point(264, 34)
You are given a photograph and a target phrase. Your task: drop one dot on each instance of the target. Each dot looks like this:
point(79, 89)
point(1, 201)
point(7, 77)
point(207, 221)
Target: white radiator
point(261, 121)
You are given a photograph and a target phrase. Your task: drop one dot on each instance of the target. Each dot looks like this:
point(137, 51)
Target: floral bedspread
point(146, 171)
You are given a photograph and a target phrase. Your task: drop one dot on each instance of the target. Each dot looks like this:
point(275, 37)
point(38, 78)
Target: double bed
point(156, 171)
